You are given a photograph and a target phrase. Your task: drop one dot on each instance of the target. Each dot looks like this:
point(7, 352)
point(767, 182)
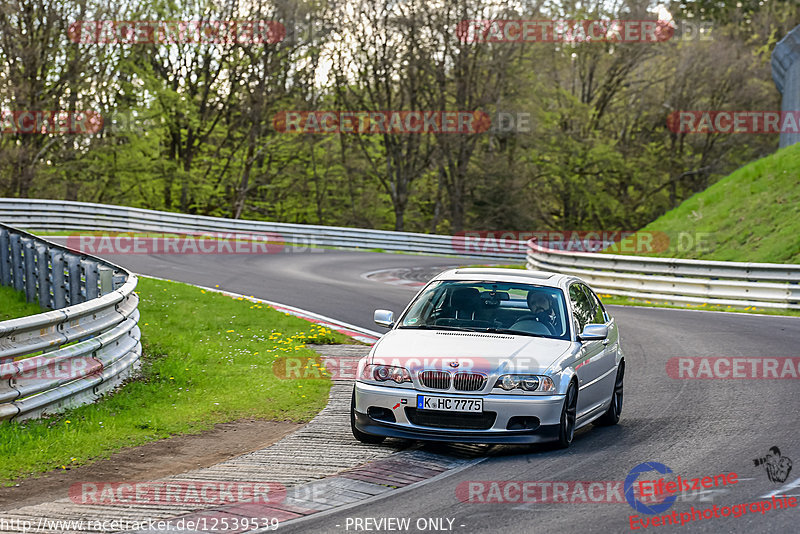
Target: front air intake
point(435, 379)
point(469, 381)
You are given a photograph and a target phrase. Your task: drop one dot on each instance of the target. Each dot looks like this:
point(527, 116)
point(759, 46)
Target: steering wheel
point(532, 317)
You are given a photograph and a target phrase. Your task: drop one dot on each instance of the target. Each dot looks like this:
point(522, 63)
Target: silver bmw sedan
point(492, 356)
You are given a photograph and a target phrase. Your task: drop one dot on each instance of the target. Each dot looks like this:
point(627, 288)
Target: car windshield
point(501, 307)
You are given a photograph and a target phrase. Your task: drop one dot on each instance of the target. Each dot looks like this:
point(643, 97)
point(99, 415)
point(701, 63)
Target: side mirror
point(593, 332)
point(384, 318)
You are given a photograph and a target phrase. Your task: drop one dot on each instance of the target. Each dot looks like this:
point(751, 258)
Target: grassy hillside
point(751, 215)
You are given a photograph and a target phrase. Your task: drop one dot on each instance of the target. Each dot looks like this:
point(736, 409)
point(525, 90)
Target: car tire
point(611, 417)
point(359, 435)
point(566, 428)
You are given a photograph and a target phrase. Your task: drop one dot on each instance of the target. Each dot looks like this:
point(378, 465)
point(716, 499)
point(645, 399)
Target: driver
point(541, 305)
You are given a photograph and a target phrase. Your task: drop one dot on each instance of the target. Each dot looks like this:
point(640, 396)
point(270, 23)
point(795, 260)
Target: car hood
point(484, 352)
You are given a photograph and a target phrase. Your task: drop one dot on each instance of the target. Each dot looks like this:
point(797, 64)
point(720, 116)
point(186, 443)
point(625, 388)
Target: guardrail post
point(59, 287)
point(5, 258)
point(119, 280)
point(43, 272)
point(16, 262)
point(92, 278)
point(74, 273)
point(29, 257)
point(786, 75)
point(106, 279)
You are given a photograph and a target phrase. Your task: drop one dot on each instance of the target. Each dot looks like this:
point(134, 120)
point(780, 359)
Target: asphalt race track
point(324, 281)
point(697, 428)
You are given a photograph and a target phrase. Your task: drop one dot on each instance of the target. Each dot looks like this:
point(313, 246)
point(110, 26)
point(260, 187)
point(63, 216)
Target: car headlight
point(383, 373)
point(525, 383)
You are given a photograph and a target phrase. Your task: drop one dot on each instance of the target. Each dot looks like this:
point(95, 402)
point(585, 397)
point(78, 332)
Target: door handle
point(606, 341)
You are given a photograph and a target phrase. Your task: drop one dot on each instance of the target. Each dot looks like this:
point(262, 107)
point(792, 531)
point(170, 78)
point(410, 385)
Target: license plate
point(449, 404)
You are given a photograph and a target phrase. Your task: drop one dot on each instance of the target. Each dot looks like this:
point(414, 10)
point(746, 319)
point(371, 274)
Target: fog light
point(522, 423)
point(381, 414)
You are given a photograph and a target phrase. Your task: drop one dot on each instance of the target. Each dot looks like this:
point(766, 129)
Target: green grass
point(207, 359)
point(13, 305)
point(751, 215)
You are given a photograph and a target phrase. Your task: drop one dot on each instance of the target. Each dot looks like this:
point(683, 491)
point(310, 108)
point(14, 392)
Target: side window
point(581, 306)
point(598, 317)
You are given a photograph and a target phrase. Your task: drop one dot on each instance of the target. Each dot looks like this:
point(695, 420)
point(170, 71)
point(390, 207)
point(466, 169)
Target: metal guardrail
point(58, 215)
point(786, 74)
point(766, 285)
point(84, 347)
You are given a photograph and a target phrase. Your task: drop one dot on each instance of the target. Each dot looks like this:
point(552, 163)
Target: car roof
point(496, 274)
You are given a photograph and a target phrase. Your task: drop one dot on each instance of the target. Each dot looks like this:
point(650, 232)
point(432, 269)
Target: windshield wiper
point(441, 327)
point(511, 331)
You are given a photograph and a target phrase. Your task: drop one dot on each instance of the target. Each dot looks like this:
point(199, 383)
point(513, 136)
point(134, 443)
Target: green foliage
point(198, 136)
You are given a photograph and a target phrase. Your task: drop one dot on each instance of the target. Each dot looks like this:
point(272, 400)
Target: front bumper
point(401, 403)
